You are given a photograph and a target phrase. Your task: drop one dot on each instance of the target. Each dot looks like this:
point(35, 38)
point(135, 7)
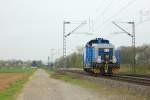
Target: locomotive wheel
point(110, 71)
point(96, 70)
point(102, 71)
point(86, 70)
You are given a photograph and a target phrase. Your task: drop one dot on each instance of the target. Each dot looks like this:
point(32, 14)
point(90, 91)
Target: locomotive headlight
point(114, 59)
point(99, 60)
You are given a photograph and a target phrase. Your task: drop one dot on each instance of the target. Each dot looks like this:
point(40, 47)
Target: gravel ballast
point(139, 89)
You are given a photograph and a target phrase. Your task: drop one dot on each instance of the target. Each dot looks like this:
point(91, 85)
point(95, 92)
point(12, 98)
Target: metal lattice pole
point(66, 35)
point(64, 41)
point(133, 40)
point(64, 44)
point(133, 44)
point(48, 62)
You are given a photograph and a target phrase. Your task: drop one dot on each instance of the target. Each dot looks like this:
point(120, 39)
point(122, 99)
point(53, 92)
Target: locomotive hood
point(97, 41)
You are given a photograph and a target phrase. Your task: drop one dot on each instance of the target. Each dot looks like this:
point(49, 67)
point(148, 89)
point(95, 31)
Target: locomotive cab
point(100, 57)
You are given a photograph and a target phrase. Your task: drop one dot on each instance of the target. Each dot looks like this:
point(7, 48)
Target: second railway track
point(135, 79)
point(132, 79)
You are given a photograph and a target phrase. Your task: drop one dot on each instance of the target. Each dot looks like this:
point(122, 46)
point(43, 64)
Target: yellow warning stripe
point(115, 70)
point(96, 70)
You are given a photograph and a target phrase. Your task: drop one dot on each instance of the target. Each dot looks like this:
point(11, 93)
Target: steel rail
point(136, 79)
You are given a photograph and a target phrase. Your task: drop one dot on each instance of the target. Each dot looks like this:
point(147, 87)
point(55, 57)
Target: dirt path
point(42, 87)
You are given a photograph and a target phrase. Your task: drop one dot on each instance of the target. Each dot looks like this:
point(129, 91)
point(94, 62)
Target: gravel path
point(42, 87)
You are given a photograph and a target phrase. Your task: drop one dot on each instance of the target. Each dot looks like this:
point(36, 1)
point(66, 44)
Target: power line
point(118, 12)
point(136, 24)
point(106, 8)
point(141, 22)
point(122, 29)
point(101, 4)
point(132, 35)
point(76, 28)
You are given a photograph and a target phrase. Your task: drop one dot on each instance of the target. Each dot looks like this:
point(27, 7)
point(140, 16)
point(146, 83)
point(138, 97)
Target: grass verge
point(100, 88)
point(141, 70)
point(11, 92)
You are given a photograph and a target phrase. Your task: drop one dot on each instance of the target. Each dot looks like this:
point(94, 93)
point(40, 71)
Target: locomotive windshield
point(105, 53)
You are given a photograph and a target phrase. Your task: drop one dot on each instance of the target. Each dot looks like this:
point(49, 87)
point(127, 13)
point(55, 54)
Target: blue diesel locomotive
point(100, 57)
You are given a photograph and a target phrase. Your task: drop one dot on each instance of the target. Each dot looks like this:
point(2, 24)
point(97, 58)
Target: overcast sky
point(30, 28)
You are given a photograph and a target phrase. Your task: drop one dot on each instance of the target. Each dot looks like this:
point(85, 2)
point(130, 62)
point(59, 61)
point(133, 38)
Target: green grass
point(11, 92)
point(139, 69)
point(15, 69)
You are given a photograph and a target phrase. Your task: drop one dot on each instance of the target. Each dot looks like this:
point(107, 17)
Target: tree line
point(20, 63)
point(126, 57)
point(142, 55)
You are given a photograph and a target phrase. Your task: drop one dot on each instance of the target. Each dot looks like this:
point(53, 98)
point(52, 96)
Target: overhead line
point(141, 22)
point(105, 10)
point(122, 29)
point(102, 2)
point(123, 8)
point(76, 28)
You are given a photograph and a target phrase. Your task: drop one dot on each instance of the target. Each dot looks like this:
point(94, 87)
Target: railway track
point(130, 78)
